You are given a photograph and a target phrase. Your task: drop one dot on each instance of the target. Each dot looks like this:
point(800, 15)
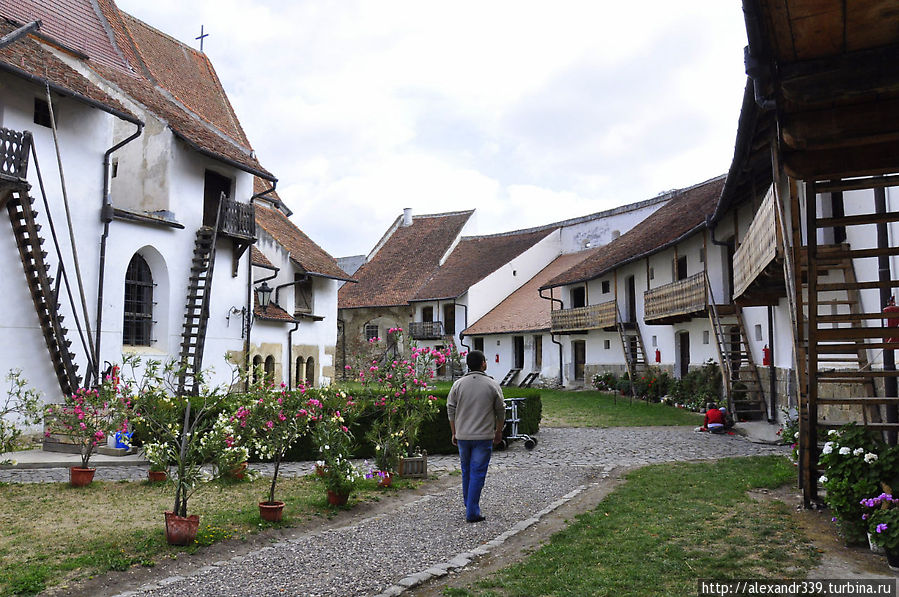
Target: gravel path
point(425, 538)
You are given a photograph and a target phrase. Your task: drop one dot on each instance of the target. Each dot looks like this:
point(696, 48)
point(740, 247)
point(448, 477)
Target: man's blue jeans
point(474, 455)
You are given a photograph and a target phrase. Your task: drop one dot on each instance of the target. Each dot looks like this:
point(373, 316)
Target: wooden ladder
point(512, 374)
point(529, 379)
point(41, 285)
point(196, 314)
point(839, 337)
point(742, 383)
point(633, 347)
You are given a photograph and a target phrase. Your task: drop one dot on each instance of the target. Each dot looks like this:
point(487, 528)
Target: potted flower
point(180, 422)
point(158, 454)
point(226, 445)
point(274, 420)
point(882, 519)
point(332, 436)
point(88, 416)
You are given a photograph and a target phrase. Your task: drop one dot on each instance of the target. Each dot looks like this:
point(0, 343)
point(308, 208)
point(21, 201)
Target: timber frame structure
point(820, 118)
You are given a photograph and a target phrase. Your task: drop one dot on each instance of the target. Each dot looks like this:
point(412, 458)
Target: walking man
point(477, 414)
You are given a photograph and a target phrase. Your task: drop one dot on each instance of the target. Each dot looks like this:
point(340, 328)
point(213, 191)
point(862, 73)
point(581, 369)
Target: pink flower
point(269, 424)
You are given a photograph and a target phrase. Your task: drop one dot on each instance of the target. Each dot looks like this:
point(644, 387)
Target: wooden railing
point(238, 219)
point(677, 299)
point(592, 317)
point(14, 148)
point(759, 247)
point(426, 330)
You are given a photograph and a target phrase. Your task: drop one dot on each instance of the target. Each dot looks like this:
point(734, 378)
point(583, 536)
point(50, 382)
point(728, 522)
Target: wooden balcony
point(14, 148)
point(580, 319)
point(426, 330)
point(758, 265)
point(238, 220)
point(678, 301)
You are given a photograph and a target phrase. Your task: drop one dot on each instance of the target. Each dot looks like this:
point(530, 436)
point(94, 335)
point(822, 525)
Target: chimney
point(407, 217)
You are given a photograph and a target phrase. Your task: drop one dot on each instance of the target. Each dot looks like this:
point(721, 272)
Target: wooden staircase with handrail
point(742, 383)
point(633, 347)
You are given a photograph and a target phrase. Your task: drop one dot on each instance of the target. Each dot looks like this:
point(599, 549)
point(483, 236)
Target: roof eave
point(225, 160)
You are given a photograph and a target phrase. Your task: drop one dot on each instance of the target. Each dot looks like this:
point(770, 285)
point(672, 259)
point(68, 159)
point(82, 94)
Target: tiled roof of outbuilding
point(405, 261)
point(685, 213)
point(303, 250)
point(259, 259)
point(474, 258)
point(525, 310)
point(272, 313)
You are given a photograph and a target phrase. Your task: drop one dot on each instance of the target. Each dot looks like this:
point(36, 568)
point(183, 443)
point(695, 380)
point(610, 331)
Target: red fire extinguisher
point(766, 356)
point(497, 358)
point(658, 356)
point(892, 313)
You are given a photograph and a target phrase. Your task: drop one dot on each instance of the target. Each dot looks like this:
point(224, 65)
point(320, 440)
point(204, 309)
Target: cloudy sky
point(529, 111)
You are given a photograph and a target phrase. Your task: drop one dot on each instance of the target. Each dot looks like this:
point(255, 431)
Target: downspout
point(250, 303)
point(552, 337)
point(290, 354)
point(106, 218)
point(772, 370)
point(757, 70)
point(341, 326)
point(464, 327)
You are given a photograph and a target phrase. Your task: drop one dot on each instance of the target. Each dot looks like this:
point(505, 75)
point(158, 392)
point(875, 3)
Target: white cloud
point(528, 110)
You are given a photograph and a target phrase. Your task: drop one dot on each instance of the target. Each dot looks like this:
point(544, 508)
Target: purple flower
point(881, 528)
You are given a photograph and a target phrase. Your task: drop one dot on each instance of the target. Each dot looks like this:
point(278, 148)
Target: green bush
point(699, 386)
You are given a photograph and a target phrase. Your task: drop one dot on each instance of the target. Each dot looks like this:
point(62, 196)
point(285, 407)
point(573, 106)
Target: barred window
point(138, 325)
point(371, 331)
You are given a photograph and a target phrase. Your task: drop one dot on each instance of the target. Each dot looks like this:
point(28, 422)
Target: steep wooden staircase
point(633, 347)
point(742, 384)
point(44, 293)
point(510, 376)
point(529, 379)
point(196, 311)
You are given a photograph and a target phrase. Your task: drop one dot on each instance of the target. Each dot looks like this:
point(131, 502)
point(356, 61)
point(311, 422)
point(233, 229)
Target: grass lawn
point(53, 534)
point(652, 536)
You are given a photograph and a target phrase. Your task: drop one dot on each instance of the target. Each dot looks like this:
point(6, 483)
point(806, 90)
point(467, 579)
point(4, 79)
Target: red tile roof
point(524, 310)
point(303, 250)
point(27, 57)
point(476, 257)
point(272, 313)
point(685, 213)
point(407, 258)
point(259, 259)
point(175, 82)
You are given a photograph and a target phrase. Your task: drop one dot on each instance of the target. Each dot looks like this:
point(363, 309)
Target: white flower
point(870, 457)
point(14, 462)
point(858, 451)
point(845, 450)
point(796, 435)
point(823, 479)
point(832, 432)
point(828, 448)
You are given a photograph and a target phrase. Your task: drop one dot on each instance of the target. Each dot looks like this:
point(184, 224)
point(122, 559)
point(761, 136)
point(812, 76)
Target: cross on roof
point(201, 36)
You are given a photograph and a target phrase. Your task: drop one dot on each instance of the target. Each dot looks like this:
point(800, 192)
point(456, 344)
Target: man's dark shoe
point(476, 519)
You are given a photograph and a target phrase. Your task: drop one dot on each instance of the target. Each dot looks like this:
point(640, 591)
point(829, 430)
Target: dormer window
point(578, 297)
point(304, 296)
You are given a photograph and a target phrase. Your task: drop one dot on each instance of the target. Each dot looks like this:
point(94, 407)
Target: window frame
point(137, 324)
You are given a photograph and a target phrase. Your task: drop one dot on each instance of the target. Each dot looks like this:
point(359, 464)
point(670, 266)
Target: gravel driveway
point(386, 553)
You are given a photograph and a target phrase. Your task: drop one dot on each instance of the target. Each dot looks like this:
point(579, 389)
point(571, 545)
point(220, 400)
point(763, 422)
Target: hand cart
point(510, 430)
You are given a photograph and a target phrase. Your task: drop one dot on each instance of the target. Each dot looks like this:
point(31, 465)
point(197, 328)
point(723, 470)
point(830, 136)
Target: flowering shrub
point(605, 382)
point(652, 385)
point(89, 416)
point(158, 454)
point(177, 423)
point(331, 435)
point(397, 399)
point(273, 419)
point(21, 406)
point(225, 443)
point(883, 521)
point(698, 387)
point(854, 462)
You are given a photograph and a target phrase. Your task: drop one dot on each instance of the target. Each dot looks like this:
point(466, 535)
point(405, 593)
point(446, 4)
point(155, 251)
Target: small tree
point(274, 419)
point(21, 406)
point(90, 415)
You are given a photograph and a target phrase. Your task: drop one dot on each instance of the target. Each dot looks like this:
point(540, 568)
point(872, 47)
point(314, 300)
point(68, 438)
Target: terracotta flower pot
point(238, 471)
point(180, 530)
point(337, 499)
point(157, 476)
point(81, 477)
point(271, 511)
point(385, 479)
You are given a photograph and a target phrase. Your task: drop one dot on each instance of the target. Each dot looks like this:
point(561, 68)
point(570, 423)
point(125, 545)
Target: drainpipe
point(250, 303)
point(552, 338)
point(772, 370)
point(290, 355)
point(341, 327)
point(757, 70)
point(883, 275)
point(464, 326)
point(106, 218)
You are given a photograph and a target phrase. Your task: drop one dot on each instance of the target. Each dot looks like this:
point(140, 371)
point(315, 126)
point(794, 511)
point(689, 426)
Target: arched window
point(257, 364)
point(310, 373)
point(301, 373)
point(138, 323)
point(270, 368)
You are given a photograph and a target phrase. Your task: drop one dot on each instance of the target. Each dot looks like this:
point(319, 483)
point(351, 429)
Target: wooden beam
point(879, 158)
point(867, 73)
point(842, 126)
